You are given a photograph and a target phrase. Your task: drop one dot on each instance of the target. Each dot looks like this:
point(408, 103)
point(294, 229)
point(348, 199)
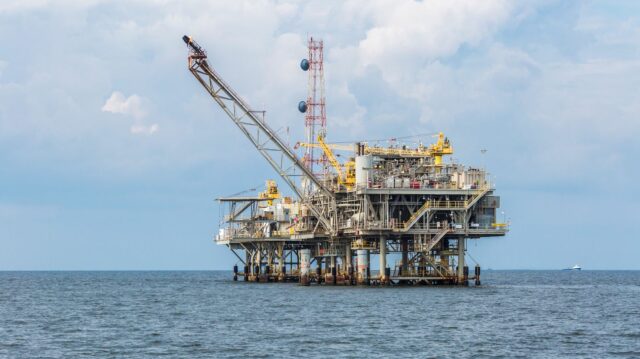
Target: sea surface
point(515, 314)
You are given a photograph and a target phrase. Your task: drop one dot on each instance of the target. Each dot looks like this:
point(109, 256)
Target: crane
point(440, 148)
point(346, 176)
point(436, 150)
point(344, 179)
point(265, 140)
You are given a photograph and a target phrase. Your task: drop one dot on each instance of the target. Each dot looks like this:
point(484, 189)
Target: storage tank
point(389, 182)
point(363, 169)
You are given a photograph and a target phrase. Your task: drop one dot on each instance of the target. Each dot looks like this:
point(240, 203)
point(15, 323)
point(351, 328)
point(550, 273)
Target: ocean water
point(527, 314)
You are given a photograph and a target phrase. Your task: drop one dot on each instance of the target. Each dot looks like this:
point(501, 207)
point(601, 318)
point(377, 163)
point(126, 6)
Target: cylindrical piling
point(334, 275)
point(267, 272)
point(348, 264)
point(363, 266)
point(319, 272)
point(351, 276)
point(404, 244)
point(256, 272)
point(460, 260)
point(383, 260)
point(330, 272)
point(304, 258)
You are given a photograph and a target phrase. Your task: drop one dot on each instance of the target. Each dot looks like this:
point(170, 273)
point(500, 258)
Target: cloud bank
point(549, 87)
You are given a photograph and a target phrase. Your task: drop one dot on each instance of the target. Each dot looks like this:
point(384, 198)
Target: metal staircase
point(436, 239)
point(477, 197)
point(415, 216)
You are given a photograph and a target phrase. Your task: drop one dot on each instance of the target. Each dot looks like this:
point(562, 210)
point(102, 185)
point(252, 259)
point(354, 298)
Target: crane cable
point(255, 188)
point(390, 138)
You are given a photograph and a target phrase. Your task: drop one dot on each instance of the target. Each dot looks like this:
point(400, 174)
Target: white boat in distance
point(575, 267)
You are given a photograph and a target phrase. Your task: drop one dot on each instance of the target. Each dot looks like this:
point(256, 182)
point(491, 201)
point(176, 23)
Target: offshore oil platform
point(393, 201)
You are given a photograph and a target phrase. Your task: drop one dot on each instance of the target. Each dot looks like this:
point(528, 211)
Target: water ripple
point(516, 314)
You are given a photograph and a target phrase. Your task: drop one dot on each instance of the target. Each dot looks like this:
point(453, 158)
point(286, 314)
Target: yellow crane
point(346, 175)
point(271, 192)
point(437, 150)
point(440, 148)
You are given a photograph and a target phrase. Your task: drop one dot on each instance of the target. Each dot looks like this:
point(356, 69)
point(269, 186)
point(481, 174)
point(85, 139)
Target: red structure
point(315, 115)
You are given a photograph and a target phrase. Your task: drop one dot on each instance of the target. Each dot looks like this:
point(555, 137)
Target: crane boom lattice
point(266, 141)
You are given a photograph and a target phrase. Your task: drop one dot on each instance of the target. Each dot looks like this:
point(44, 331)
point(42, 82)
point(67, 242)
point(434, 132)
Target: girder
point(265, 140)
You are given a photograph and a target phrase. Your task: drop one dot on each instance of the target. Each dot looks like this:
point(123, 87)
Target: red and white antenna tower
point(315, 118)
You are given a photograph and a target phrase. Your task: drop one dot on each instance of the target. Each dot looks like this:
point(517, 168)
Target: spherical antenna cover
point(304, 64)
point(302, 106)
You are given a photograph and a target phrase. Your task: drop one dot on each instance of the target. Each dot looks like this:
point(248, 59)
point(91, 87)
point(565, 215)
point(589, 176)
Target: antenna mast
point(315, 118)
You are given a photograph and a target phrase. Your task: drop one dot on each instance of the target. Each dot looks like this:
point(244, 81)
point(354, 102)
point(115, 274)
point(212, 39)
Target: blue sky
point(111, 154)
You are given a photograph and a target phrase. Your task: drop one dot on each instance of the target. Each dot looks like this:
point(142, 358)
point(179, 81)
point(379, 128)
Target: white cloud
point(132, 105)
point(17, 6)
point(144, 130)
point(410, 34)
point(3, 66)
point(12, 7)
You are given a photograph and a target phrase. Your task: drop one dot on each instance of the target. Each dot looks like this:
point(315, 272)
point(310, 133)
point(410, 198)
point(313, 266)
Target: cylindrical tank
point(357, 218)
point(389, 183)
point(304, 255)
point(363, 169)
